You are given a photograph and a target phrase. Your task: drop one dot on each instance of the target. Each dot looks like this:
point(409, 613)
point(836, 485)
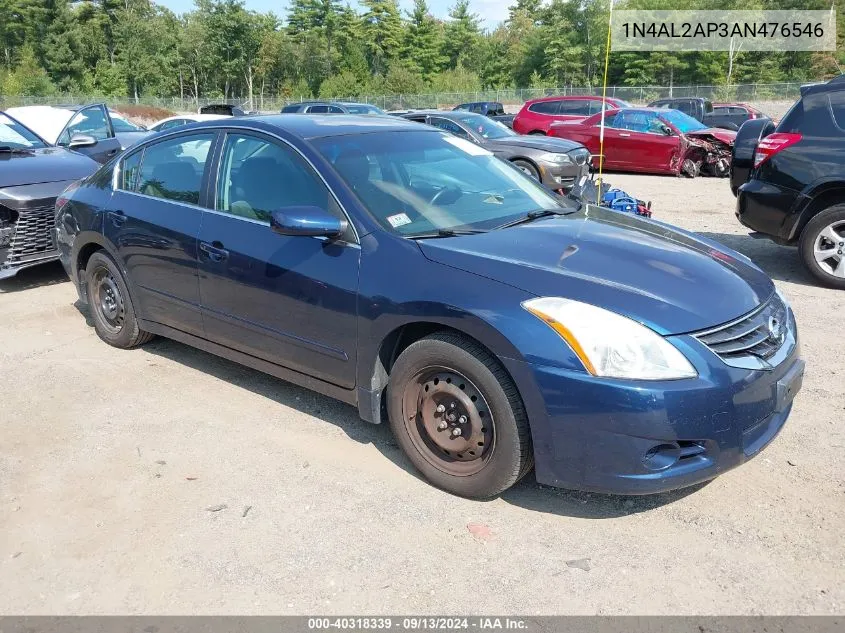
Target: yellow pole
point(603, 97)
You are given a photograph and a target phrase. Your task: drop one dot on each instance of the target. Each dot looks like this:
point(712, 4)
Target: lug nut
point(440, 408)
point(462, 419)
point(456, 432)
point(452, 406)
point(442, 426)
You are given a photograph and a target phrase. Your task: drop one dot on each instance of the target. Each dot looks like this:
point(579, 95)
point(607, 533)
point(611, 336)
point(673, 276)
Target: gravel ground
point(165, 480)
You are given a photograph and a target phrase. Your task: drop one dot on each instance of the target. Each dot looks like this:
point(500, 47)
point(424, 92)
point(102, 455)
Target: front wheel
point(458, 417)
point(111, 307)
point(822, 246)
point(527, 168)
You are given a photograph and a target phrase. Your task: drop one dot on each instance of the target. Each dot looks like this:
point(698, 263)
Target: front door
point(287, 300)
point(92, 121)
point(154, 221)
point(642, 144)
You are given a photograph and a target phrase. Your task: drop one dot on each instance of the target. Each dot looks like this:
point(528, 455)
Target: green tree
point(423, 42)
point(462, 36)
point(382, 31)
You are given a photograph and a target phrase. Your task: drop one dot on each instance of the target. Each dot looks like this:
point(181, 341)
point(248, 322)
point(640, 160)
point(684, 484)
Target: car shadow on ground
point(779, 262)
point(42, 275)
point(527, 494)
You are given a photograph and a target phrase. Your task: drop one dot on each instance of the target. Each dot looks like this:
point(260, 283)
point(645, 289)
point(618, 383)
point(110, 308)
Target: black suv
point(790, 180)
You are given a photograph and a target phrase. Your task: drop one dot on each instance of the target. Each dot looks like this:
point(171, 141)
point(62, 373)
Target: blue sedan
point(408, 272)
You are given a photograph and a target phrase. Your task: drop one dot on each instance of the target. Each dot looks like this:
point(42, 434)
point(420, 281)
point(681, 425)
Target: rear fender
point(815, 198)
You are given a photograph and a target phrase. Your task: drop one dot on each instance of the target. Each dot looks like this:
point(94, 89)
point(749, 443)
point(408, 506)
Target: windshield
point(485, 126)
point(684, 122)
point(123, 125)
point(424, 181)
point(16, 136)
point(364, 109)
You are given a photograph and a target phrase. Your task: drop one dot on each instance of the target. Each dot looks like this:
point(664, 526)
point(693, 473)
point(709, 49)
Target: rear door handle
point(215, 251)
point(117, 218)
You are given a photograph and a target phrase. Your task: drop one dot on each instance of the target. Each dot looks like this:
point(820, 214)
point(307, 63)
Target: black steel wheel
point(458, 416)
point(110, 304)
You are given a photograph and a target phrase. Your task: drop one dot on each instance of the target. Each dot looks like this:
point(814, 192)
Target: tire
point(493, 450)
point(110, 304)
point(527, 168)
point(822, 246)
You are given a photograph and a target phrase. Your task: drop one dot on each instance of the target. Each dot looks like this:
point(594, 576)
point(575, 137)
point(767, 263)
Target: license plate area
point(788, 386)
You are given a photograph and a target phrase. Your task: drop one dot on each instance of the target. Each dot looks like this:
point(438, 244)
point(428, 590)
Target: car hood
point(663, 277)
point(726, 136)
point(51, 164)
point(128, 139)
point(542, 143)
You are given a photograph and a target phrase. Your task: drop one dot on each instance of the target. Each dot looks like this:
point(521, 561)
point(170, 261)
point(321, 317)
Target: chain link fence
point(509, 97)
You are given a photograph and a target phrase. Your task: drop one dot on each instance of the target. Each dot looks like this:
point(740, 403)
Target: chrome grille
point(32, 237)
point(759, 335)
point(580, 156)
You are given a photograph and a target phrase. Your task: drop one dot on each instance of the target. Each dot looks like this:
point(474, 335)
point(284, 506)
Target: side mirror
point(307, 221)
point(81, 140)
point(667, 130)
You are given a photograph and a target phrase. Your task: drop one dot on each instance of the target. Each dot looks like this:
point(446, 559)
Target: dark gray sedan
point(557, 163)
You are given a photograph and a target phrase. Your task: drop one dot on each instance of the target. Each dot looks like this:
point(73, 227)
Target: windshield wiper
point(535, 215)
point(445, 233)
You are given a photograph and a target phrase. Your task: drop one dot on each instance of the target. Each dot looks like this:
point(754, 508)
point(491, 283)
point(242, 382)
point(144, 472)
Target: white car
point(183, 119)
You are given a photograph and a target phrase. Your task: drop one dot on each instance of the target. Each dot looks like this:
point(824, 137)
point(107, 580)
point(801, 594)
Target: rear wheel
point(110, 304)
point(458, 417)
point(527, 168)
point(822, 246)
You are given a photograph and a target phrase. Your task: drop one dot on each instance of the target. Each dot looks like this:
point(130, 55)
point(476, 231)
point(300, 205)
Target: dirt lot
point(112, 463)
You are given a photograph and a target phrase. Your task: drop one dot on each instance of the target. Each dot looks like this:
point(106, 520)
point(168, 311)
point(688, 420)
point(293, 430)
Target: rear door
point(154, 221)
point(288, 300)
point(92, 121)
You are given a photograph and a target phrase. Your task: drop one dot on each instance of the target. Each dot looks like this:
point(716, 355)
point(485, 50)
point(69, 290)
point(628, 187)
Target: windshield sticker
point(400, 219)
point(467, 146)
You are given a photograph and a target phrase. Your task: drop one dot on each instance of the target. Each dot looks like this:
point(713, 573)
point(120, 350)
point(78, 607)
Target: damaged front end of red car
point(707, 152)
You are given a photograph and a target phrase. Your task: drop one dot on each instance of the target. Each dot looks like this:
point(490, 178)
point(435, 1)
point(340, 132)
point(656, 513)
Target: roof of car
point(308, 126)
point(569, 97)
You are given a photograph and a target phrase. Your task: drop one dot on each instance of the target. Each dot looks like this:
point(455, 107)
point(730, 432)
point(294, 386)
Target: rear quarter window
point(545, 107)
point(837, 108)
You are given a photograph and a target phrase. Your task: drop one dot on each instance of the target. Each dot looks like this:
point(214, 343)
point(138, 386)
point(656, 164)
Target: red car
point(537, 115)
point(654, 141)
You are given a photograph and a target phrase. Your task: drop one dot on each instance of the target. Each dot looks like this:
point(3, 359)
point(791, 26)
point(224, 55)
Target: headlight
point(609, 344)
point(556, 159)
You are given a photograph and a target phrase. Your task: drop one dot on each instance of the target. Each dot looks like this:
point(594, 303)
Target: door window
point(172, 124)
point(449, 126)
point(575, 107)
point(258, 177)
point(173, 169)
point(318, 109)
point(129, 171)
point(90, 121)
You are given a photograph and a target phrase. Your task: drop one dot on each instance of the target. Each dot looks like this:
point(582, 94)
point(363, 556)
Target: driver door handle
point(215, 251)
point(624, 134)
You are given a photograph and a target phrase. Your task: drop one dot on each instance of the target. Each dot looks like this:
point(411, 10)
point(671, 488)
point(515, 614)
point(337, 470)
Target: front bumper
point(638, 437)
point(27, 241)
point(565, 176)
point(768, 209)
